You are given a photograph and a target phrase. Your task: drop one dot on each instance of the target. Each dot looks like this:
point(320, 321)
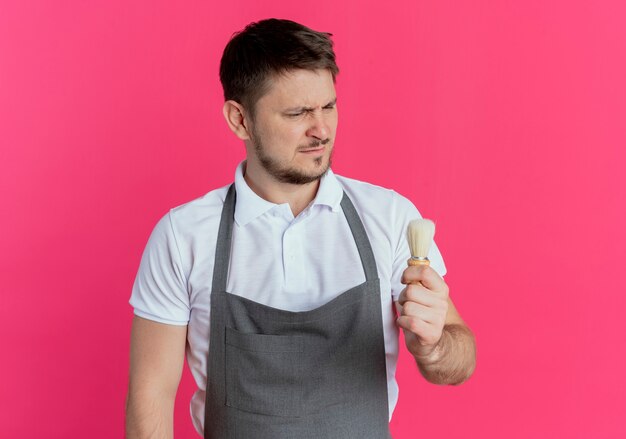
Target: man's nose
point(319, 127)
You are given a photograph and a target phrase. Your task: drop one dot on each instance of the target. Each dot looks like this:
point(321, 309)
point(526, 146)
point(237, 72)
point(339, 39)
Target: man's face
point(292, 135)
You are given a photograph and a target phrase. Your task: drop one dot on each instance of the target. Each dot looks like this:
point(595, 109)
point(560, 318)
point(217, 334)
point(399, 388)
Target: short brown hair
point(267, 48)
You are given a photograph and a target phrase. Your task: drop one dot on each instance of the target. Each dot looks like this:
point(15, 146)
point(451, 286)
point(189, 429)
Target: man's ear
point(235, 118)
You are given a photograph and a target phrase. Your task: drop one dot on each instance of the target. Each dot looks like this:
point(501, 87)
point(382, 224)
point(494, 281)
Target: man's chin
point(293, 176)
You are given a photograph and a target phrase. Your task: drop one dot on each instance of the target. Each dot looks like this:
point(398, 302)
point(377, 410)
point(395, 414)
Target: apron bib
point(315, 374)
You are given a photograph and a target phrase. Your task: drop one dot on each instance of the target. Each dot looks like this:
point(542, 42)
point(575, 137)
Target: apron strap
point(224, 240)
point(360, 237)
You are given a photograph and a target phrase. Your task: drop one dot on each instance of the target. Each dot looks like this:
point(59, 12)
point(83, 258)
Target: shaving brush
point(420, 234)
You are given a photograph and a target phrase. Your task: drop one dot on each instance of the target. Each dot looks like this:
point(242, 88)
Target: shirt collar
point(250, 206)
point(330, 192)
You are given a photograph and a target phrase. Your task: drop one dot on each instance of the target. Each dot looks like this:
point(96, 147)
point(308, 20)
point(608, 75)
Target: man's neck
point(299, 196)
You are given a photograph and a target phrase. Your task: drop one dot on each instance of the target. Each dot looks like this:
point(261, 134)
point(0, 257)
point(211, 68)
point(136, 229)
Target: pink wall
point(502, 120)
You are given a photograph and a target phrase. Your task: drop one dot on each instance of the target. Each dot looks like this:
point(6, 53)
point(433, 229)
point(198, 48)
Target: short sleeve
point(160, 289)
point(405, 212)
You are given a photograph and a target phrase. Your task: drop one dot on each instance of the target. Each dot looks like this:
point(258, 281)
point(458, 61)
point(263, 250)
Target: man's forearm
point(454, 358)
point(149, 418)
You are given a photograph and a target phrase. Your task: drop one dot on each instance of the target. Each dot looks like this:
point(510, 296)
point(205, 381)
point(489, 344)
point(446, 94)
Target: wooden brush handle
point(413, 262)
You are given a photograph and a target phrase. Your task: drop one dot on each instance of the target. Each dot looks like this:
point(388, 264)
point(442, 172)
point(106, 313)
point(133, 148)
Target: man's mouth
point(313, 150)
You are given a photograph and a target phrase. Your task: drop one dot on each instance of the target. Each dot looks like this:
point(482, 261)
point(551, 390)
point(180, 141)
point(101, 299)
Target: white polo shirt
point(295, 264)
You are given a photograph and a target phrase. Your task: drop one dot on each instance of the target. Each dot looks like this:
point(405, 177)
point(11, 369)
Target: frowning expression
point(293, 130)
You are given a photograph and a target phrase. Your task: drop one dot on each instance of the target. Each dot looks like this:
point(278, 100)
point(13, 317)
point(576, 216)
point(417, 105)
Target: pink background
point(502, 120)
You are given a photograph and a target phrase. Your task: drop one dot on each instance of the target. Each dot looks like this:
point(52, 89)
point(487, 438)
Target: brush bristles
point(420, 234)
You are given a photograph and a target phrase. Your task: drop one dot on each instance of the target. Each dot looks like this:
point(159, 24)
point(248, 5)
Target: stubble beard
point(286, 174)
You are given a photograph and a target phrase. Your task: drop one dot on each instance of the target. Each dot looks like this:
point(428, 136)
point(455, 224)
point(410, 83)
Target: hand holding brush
point(423, 304)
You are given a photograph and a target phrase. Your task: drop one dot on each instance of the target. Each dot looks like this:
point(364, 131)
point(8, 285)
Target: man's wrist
point(434, 354)
point(453, 359)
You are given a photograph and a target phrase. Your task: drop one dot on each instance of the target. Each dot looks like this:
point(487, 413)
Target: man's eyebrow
point(293, 109)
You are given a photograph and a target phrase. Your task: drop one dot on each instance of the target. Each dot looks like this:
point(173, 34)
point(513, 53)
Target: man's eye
point(294, 114)
point(329, 107)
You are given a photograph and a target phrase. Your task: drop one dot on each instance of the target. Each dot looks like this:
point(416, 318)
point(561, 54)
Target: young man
point(281, 287)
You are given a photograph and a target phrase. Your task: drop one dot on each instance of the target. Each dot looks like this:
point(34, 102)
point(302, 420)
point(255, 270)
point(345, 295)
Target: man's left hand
point(422, 307)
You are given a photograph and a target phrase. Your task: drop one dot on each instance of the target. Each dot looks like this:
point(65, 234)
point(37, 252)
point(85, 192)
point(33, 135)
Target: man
point(281, 287)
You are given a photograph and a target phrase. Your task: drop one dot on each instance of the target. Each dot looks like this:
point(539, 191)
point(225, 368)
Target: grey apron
point(274, 374)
